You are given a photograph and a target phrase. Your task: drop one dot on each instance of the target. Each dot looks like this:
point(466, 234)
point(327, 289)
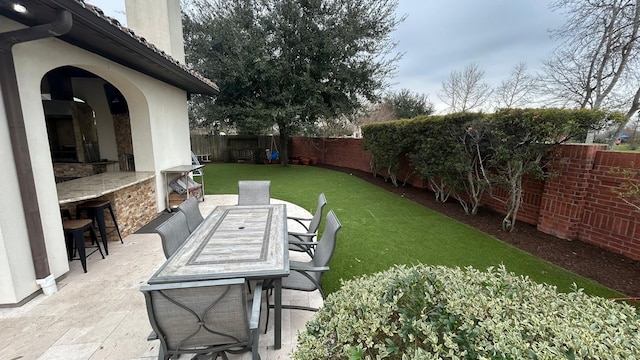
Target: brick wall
point(606, 220)
point(565, 195)
point(529, 211)
point(577, 204)
point(346, 153)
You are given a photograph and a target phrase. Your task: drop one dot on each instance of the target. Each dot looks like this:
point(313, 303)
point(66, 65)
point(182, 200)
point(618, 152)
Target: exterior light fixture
point(19, 8)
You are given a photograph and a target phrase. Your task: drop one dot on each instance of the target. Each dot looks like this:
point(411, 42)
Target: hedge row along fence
point(468, 154)
point(568, 191)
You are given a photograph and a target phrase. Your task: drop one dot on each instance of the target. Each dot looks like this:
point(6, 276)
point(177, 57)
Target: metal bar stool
point(74, 235)
point(95, 211)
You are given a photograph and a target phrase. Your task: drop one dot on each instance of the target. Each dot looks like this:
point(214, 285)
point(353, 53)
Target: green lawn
point(625, 147)
point(381, 229)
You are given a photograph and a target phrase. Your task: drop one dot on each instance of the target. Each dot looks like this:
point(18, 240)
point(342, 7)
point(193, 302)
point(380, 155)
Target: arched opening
point(88, 124)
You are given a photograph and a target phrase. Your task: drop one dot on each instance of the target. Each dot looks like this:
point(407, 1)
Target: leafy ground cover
point(428, 312)
point(382, 228)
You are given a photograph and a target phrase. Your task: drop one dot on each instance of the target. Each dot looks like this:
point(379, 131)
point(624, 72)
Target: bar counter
point(132, 196)
point(91, 187)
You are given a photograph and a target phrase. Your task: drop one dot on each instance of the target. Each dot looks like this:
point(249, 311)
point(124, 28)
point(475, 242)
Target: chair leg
point(266, 322)
point(211, 356)
point(94, 239)
point(99, 215)
point(115, 223)
point(269, 291)
point(70, 242)
point(290, 307)
point(162, 355)
point(79, 240)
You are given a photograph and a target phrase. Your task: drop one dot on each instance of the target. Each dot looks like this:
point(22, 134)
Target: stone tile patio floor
point(102, 314)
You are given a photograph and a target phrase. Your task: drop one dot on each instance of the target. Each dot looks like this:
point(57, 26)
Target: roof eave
point(92, 26)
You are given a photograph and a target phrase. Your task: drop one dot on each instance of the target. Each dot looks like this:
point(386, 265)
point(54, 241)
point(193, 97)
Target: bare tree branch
point(595, 63)
point(465, 90)
point(517, 90)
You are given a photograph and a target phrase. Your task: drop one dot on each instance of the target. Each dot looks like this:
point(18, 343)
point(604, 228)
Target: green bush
point(424, 312)
point(388, 143)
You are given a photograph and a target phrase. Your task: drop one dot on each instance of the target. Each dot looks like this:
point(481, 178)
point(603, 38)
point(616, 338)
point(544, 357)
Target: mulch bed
point(612, 270)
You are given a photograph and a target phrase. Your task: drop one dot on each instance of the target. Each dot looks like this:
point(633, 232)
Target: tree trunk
point(635, 105)
point(283, 145)
point(475, 192)
point(515, 196)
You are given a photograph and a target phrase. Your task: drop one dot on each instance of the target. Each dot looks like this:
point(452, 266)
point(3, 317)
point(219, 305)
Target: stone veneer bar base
point(132, 196)
point(134, 206)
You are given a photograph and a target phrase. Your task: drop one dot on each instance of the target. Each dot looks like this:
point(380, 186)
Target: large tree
point(595, 65)
point(289, 63)
point(403, 104)
point(407, 104)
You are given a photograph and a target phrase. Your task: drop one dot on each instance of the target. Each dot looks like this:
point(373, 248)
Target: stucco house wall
point(160, 134)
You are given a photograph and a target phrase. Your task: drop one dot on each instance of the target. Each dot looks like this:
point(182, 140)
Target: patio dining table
point(235, 242)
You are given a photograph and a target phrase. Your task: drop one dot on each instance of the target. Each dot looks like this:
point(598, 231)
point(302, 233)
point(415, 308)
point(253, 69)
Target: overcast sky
point(441, 36)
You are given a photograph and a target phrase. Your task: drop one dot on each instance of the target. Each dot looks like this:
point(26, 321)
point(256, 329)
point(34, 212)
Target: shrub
point(424, 312)
point(387, 143)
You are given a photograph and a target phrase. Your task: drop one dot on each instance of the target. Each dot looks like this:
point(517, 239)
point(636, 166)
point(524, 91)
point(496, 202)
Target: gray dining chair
point(173, 232)
point(209, 318)
point(310, 226)
point(307, 276)
point(191, 210)
point(254, 192)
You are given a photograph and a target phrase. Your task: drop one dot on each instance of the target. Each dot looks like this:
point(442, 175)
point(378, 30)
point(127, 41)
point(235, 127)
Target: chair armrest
point(300, 220)
point(255, 307)
point(304, 267)
point(305, 237)
point(307, 271)
point(303, 234)
point(303, 243)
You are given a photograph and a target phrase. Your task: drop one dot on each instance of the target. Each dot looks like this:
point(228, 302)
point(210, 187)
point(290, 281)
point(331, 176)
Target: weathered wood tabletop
point(233, 241)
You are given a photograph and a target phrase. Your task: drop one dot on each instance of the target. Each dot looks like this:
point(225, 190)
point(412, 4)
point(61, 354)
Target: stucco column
point(160, 22)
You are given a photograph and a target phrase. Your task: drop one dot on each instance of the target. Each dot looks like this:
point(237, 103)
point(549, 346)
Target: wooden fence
point(233, 148)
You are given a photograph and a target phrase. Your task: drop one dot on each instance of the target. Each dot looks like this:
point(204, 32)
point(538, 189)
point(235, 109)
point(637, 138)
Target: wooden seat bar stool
point(74, 234)
point(95, 211)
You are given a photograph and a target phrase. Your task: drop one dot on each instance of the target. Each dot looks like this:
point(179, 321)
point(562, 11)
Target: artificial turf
point(380, 229)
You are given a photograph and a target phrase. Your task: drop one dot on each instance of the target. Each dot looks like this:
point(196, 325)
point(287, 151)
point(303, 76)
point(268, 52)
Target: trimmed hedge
point(464, 154)
point(425, 312)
